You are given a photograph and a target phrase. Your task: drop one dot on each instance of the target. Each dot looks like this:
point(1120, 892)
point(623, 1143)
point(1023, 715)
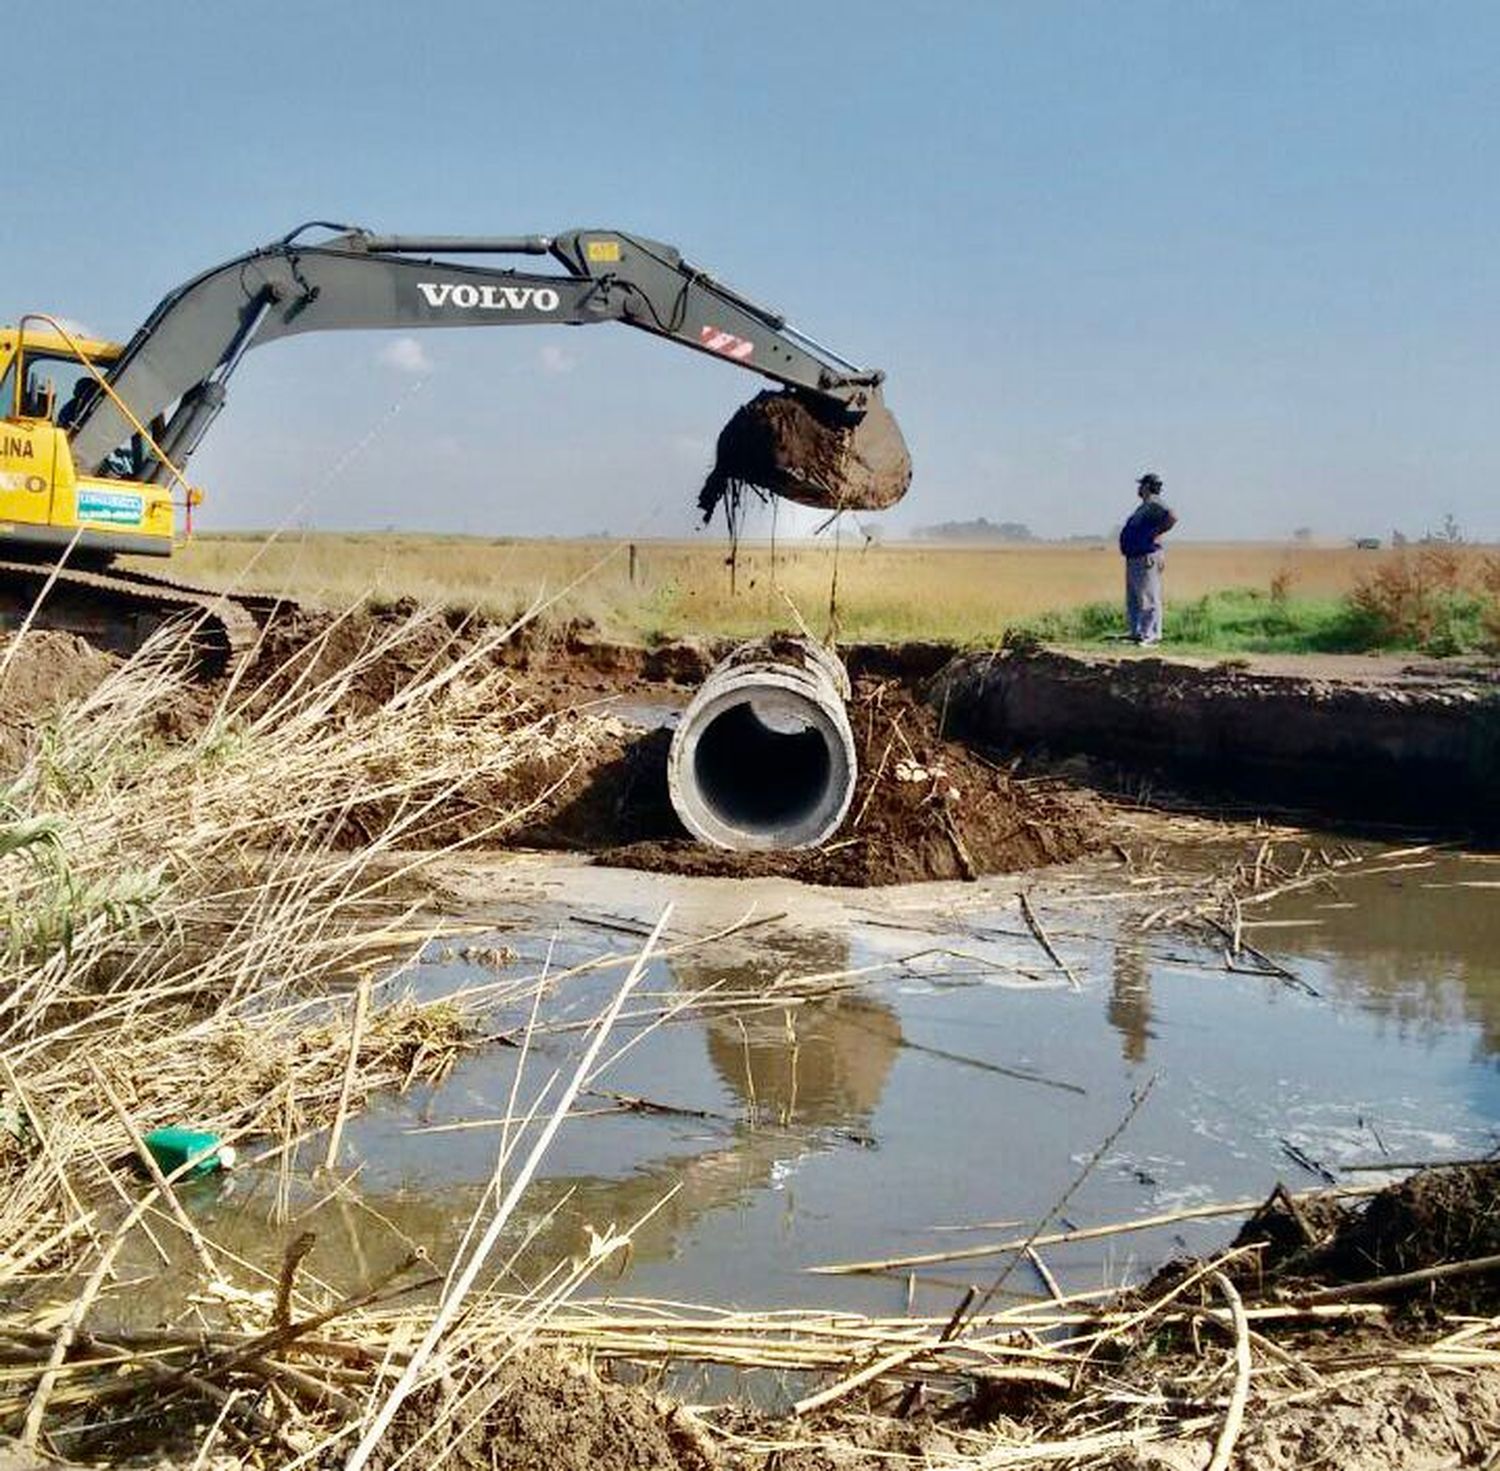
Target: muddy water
point(961, 1083)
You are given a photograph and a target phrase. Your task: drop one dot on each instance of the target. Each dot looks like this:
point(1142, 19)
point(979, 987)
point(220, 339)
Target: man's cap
point(1148, 481)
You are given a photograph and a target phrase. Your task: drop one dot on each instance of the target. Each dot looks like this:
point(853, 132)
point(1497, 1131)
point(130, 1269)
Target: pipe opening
point(763, 756)
point(761, 766)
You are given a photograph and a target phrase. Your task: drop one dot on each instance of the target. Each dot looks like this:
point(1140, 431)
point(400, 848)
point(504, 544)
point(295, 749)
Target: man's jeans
point(1143, 600)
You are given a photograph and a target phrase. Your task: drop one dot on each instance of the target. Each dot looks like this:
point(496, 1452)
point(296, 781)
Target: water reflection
point(1129, 1004)
point(768, 1164)
point(795, 1082)
point(819, 1064)
point(1418, 942)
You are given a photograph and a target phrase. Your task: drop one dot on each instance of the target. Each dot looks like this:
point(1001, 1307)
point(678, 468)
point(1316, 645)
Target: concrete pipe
point(764, 757)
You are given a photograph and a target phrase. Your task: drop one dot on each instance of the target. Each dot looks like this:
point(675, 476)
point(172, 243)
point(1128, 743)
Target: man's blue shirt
point(1146, 523)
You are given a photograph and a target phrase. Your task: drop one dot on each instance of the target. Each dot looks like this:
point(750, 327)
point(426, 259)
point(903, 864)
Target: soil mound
point(548, 1412)
point(386, 649)
point(924, 807)
point(46, 670)
point(810, 451)
point(1435, 1218)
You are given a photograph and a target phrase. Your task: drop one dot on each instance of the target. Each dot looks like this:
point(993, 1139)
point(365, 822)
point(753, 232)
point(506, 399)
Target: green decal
point(114, 506)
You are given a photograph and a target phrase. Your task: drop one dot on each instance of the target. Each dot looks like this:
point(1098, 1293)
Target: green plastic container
point(172, 1148)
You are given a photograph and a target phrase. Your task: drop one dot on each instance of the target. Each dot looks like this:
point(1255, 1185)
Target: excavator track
point(120, 609)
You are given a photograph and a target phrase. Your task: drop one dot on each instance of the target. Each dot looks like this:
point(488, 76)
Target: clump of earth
point(1434, 1218)
point(811, 451)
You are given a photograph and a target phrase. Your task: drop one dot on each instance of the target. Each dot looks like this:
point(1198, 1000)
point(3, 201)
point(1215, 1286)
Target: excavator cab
point(46, 505)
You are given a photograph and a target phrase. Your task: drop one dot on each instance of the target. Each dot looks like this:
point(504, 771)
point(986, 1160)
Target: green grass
point(1252, 621)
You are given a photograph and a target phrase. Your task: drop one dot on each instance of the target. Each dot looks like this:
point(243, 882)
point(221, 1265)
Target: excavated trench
point(922, 766)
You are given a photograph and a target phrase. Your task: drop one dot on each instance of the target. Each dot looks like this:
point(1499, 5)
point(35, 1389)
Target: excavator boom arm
point(180, 359)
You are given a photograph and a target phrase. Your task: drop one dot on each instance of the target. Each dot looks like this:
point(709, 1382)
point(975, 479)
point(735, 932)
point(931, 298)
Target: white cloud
point(555, 359)
point(405, 355)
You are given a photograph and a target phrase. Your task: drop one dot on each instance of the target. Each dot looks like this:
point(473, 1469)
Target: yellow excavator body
point(44, 502)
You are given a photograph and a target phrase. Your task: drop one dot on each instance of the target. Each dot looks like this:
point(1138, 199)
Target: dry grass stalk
point(1082, 1233)
point(1235, 1416)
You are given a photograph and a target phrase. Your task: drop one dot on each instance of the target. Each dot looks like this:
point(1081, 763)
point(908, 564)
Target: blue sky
point(1253, 246)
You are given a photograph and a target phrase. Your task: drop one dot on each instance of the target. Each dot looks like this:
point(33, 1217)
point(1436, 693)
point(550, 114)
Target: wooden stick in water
point(1378, 1286)
point(1086, 1233)
point(1042, 939)
point(351, 1070)
point(1234, 1417)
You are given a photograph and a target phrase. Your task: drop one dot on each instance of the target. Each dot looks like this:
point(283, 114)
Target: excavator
point(96, 437)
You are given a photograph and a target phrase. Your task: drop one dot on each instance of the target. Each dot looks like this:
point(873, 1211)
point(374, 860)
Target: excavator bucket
point(810, 450)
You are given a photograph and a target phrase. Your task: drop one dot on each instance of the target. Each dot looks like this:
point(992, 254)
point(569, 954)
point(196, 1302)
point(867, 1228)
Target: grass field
point(899, 591)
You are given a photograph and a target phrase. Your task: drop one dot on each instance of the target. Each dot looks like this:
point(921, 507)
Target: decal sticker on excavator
point(14, 447)
point(715, 339)
point(114, 506)
point(468, 297)
point(602, 250)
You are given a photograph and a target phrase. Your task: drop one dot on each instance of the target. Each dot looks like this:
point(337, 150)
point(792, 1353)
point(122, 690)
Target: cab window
point(60, 388)
point(8, 391)
point(63, 375)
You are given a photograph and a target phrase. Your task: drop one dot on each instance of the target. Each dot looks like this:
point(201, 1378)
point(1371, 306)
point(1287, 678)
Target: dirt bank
point(1420, 745)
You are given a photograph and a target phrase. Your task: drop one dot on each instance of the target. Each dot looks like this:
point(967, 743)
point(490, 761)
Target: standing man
point(1144, 560)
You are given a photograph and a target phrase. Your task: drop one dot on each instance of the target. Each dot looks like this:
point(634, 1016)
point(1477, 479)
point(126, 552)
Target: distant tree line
point(982, 529)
